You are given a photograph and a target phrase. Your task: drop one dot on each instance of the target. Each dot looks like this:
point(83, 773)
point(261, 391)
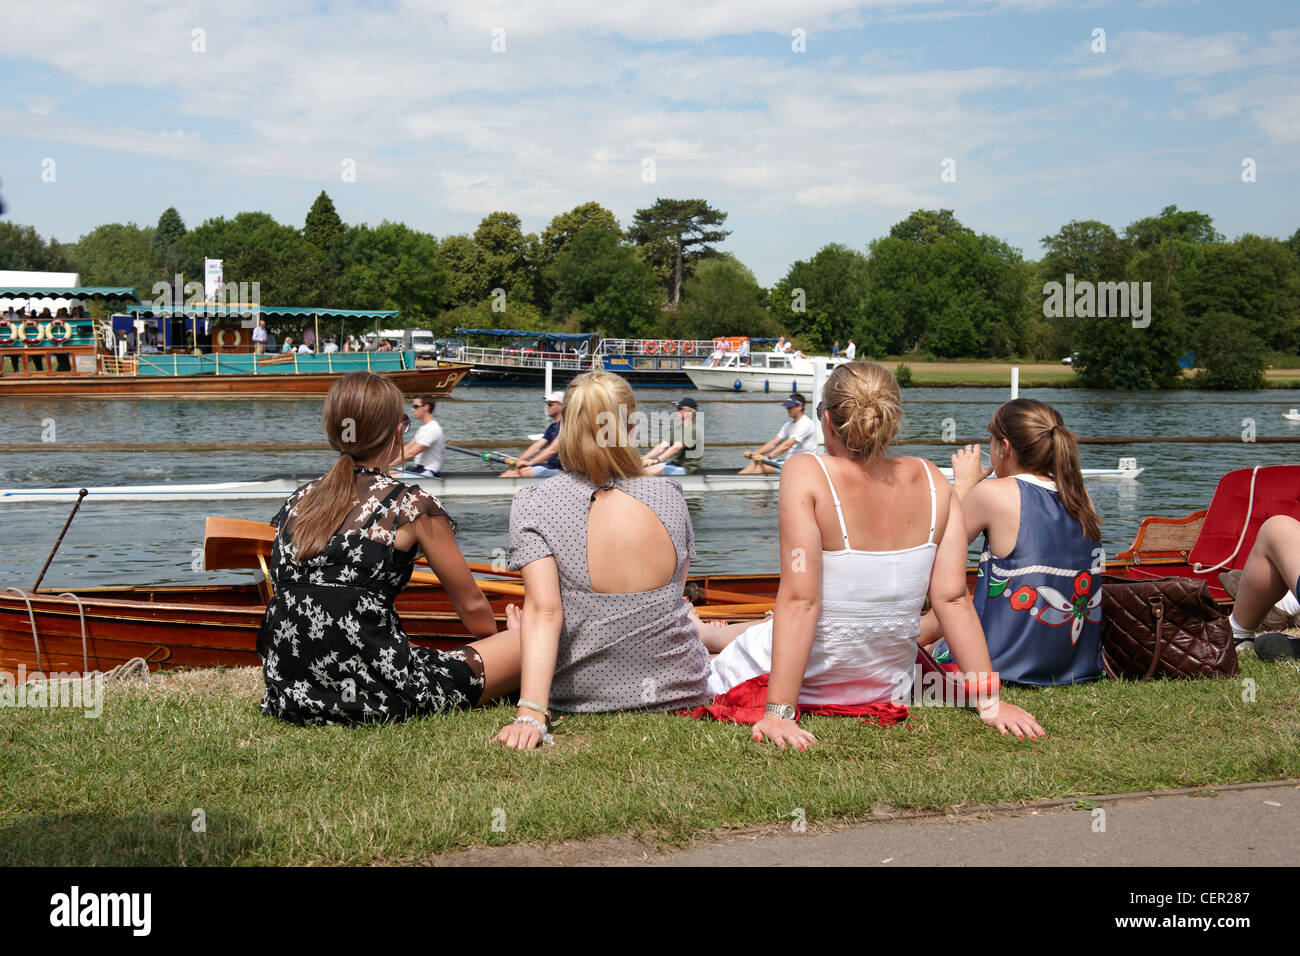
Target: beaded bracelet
point(534, 722)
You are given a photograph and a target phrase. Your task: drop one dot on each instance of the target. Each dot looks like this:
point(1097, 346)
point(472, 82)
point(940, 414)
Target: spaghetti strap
point(839, 510)
point(934, 504)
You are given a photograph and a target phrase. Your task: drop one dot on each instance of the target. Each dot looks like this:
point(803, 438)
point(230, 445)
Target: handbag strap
point(1157, 604)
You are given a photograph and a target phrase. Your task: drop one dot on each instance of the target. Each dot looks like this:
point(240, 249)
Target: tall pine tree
point(323, 224)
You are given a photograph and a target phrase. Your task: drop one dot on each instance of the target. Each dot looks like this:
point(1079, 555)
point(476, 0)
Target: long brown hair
point(1044, 445)
point(361, 416)
point(599, 411)
point(865, 406)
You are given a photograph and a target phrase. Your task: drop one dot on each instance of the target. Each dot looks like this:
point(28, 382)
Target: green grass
point(122, 789)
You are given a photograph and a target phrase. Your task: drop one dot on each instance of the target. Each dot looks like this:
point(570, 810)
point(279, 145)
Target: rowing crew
point(676, 454)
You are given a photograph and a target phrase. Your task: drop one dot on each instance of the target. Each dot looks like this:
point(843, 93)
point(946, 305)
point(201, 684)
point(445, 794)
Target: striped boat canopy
point(76, 292)
point(220, 309)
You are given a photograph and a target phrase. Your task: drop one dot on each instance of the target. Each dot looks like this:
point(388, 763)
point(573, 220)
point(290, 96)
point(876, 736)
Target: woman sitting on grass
point(846, 620)
point(333, 649)
point(1272, 570)
point(604, 551)
point(1038, 595)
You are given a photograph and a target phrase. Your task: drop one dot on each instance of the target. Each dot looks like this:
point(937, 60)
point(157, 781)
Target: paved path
point(1257, 825)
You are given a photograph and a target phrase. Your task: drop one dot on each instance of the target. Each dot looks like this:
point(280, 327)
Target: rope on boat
point(31, 616)
point(1250, 506)
point(135, 667)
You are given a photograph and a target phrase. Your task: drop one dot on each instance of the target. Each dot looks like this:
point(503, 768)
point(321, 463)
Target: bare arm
point(539, 637)
point(440, 548)
point(959, 623)
point(798, 601)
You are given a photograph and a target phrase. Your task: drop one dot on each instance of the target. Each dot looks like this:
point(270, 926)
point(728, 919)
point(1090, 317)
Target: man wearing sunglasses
point(429, 444)
point(542, 459)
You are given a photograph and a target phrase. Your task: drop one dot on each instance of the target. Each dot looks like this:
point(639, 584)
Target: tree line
point(931, 288)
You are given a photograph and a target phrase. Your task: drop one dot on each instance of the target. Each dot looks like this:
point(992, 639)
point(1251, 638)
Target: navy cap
point(686, 402)
point(792, 402)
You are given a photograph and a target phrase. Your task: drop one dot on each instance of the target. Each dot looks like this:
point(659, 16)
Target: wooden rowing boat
point(173, 626)
point(452, 485)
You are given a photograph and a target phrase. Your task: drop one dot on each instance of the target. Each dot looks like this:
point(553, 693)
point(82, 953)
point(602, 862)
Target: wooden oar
point(763, 460)
point(487, 587)
point(488, 456)
point(72, 514)
point(235, 543)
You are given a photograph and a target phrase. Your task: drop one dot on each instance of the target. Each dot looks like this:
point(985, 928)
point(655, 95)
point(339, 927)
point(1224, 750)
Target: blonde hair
point(865, 406)
point(598, 411)
point(1044, 446)
point(362, 412)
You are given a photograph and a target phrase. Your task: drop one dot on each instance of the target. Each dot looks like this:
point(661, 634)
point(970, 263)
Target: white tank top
point(875, 592)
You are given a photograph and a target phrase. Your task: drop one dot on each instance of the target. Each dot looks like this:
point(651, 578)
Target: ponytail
point(361, 415)
point(1069, 482)
point(1044, 445)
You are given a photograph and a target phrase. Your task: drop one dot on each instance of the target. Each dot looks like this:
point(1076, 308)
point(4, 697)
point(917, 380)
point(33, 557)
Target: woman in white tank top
point(864, 539)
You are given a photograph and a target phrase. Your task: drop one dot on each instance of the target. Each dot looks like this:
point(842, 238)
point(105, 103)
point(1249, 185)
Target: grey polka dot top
point(617, 651)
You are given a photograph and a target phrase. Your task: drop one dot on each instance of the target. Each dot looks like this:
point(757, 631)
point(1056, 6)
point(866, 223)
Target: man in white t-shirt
point(850, 351)
point(259, 337)
point(797, 436)
point(429, 444)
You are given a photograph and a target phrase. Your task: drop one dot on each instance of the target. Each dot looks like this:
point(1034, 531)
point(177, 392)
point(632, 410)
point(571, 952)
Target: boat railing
point(522, 358)
point(687, 347)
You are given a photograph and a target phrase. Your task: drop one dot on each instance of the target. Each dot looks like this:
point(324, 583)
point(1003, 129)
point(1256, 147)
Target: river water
point(125, 543)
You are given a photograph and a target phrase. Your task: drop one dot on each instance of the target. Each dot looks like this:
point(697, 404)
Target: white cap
point(555, 397)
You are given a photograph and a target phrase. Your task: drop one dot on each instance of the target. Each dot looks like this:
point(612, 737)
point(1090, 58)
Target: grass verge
point(133, 786)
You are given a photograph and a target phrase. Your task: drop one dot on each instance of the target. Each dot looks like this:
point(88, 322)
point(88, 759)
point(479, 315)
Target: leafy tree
point(603, 284)
point(1255, 279)
point(256, 248)
point(1229, 352)
point(167, 236)
point(721, 298)
point(23, 250)
point(116, 254)
point(467, 270)
point(391, 266)
point(481, 315)
point(929, 225)
point(504, 250)
point(825, 299)
point(1114, 354)
point(323, 225)
point(1086, 249)
point(1188, 226)
point(556, 237)
point(683, 223)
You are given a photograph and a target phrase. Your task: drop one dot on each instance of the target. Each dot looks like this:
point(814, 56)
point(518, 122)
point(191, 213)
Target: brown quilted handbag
point(1167, 627)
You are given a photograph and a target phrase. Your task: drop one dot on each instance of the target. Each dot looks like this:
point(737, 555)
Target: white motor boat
point(778, 372)
point(1293, 415)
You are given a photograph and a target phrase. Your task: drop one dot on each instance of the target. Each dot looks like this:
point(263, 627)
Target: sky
point(807, 123)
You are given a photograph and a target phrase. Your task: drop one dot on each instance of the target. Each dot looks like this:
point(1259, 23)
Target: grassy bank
point(1032, 374)
point(126, 788)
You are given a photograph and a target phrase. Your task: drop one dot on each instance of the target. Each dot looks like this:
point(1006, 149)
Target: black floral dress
point(333, 649)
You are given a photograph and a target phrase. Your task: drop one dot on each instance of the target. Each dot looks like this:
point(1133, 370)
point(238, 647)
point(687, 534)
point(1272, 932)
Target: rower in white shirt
point(797, 436)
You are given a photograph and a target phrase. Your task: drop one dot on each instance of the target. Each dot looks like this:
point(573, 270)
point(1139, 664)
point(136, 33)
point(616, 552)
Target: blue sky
point(832, 144)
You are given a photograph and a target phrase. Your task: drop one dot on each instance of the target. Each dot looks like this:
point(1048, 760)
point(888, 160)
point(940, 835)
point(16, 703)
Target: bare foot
point(512, 617)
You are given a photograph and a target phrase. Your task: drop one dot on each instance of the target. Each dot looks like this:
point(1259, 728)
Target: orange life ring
point(651, 347)
point(8, 334)
point(59, 331)
point(228, 338)
point(31, 332)
point(669, 347)
point(688, 347)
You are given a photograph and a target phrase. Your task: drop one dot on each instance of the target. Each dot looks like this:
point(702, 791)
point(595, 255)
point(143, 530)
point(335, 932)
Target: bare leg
point(1270, 571)
point(716, 636)
point(930, 629)
point(500, 654)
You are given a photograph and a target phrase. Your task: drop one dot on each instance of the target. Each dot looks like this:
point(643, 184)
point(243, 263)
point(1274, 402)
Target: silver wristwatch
point(783, 711)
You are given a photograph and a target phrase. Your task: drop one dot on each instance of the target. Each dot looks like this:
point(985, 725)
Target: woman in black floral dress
point(333, 649)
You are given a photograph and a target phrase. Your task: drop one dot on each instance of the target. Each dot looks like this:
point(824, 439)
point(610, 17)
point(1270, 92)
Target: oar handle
point(488, 456)
point(762, 459)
